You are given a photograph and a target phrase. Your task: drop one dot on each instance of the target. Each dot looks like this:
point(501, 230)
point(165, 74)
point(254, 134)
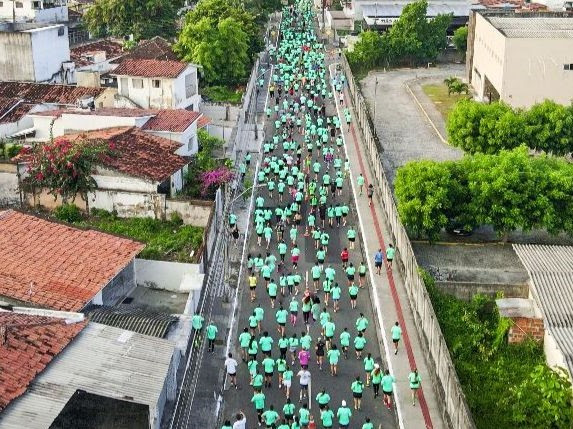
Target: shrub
point(13, 150)
point(68, 213)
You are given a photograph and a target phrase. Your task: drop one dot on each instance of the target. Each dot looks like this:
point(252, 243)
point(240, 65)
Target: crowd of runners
point(304, 169)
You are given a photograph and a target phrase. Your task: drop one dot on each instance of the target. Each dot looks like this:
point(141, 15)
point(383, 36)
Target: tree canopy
point(488, 128)
point(413, 39)
point(460, 39)
point(509, 190)
point(142, 18)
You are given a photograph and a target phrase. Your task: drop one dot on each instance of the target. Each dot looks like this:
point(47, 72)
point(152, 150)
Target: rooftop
point(150, 68)
point(102, 360)
point(525, 26)
point(79, 54)
point(46, 93)
point(156, 48)
point(138, 153)
point(13, 109)
point(173, 120)
point(550, 269)
point(56, 266)
point(458, 8)
point(29, 345)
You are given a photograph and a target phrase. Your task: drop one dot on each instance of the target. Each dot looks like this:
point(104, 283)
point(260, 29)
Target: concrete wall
point(109, 179)
point(220, 112)
point(16, 59)
point(553, 355)
point(172, 276)
point(128, 204)
point(221, 131)
point(28, 13)
point(9, 195)
point(193, 212)
point(534, 71)
point(188, 139)
point(49, 50)
point(121, 285)
point(466, 290)
point(489, 57)
point(180, 93)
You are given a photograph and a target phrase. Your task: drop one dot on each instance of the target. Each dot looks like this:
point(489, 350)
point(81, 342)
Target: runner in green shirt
point(415, 381)
point(266, 343)
point(304, 415)
point(353, 292)
point(359, 343)
point(360, 182)
point(287, 382)
point(361, 274)
point(390, 253)
point(244, 340)
point(357, 388)
point(376, 376)
point(259, 400)
point(388, 388)
point(327, 417)
point(361, 323)
point(367, 424)
point(288, 410)
point(281, 317)
point(368, 367)
point(270, 417)
point(336, 292)
point(345, 342)
point(351, 235)
point(333, 356)
point(269, 367)
point(396, 332)
point(211, 335)
point(343, 414)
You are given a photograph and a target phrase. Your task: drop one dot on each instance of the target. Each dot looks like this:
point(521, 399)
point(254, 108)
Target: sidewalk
point(391, 301)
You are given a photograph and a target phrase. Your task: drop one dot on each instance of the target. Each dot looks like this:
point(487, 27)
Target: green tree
point(415, 39)
point(217, 11)
point(543, 400)
point(505, 191)
point(424, 192)
point(549, 127)
point(460, 40)
point(559, 192)
point(142, 18)
point(367, 53)
point(220, 47)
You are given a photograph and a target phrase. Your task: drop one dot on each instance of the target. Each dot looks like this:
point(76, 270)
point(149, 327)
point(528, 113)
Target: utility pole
point(323, 8)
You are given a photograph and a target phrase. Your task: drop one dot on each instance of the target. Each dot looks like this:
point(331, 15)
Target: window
point(568, 67)
point(1, 4)
point(61, 31)
point(137, 83)
point(36, 5)
point(156, 83)
point(19, 5)
point(190, 85)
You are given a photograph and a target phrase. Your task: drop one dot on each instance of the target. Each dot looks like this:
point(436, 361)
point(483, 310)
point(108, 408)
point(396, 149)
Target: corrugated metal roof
point(527, 27)
point(382, 10)
point(133, 319)
point(102, 360)
point(551, 271)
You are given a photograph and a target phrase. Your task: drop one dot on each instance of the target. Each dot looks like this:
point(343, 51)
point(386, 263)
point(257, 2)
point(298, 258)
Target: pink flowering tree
point(210, 180)
point(63, 167)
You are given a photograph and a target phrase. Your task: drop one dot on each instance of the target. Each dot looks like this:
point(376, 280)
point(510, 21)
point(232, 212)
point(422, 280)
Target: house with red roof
point(55, 266)
point(178, 125)
point(157, 84)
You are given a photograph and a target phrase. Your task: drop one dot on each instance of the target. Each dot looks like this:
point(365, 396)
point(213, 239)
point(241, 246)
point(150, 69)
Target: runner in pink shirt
point(303, 358)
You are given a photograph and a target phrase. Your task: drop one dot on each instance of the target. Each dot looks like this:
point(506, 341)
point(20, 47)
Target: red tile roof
point(13, 109)
point(156, 48)
point(112, 49)
point(203, 122)
point(173, 120)
point(46, 93)
point(138, 153)
point(120, 112)
point(57, 266)
point(27, 347)
point(149, 68)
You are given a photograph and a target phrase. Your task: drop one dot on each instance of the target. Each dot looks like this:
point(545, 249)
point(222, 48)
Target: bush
point(506, 386)
point(13, 150)
point(68, 213)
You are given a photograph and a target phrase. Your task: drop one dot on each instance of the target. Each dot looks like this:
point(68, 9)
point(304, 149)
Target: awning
point(23, 133)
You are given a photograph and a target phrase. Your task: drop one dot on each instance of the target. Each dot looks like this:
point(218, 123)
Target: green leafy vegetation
point(460, 40)
point(204, 161)
point(506, 386)
point(166, 240)
point(9, 149)
point(443, 101)
point(222, 94)
point(142, 19)
point(509, 191)
point(412, 40)
point(489, 128)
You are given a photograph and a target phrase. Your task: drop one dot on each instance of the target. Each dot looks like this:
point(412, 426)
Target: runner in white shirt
point(231, 366)
point(241, 421)
point(304, 376)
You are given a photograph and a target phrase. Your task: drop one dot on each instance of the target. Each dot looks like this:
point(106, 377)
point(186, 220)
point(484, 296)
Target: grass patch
point(164, 240)
point(223, 94)
point(438, 93)
point(492, 372)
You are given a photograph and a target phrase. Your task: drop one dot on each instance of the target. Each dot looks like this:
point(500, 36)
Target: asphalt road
point(338, 387)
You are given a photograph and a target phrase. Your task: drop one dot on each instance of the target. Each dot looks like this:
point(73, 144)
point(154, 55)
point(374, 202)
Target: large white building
point(34, 10)
point(35, 53)
point(521, 58)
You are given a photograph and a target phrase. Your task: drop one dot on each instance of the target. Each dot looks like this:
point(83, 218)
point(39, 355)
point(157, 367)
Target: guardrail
point(443, 376)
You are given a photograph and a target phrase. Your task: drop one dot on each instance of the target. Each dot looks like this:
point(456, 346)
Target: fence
point(443, 375)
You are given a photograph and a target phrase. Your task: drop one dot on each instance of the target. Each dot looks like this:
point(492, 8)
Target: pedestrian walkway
point(304, 151)
point(391, 300)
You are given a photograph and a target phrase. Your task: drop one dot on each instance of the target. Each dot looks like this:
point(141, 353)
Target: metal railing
point(444, 378)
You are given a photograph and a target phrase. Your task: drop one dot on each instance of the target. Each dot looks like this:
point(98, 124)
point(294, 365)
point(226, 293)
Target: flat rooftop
point(526, 26)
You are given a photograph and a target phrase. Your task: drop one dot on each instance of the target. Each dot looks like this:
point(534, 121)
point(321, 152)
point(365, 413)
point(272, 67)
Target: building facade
point(520, 58)
point(34, 10)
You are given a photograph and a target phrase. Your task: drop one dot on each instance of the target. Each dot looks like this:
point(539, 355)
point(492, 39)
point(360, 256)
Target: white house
point(93, 60)
point(34, 10)
point(178, 125)
point(35, 53)
point(157, 84)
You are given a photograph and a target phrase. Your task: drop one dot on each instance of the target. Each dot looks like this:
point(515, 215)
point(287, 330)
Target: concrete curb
point(407, 86)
